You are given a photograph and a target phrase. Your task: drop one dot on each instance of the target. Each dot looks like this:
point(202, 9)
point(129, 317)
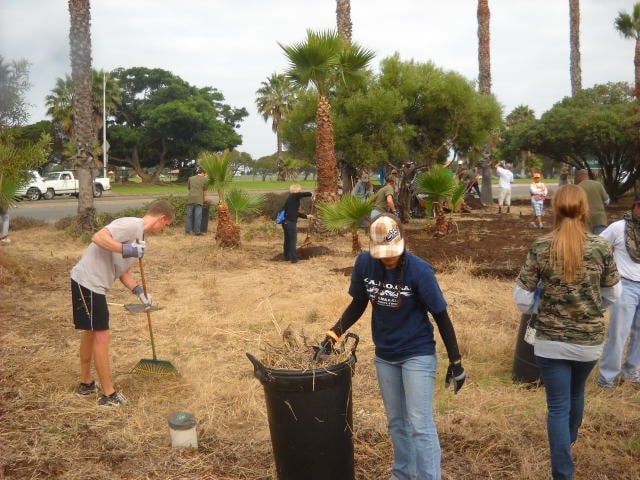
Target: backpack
point(280, 216)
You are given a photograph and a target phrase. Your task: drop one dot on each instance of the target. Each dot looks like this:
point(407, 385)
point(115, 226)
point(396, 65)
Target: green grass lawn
point(171, 188)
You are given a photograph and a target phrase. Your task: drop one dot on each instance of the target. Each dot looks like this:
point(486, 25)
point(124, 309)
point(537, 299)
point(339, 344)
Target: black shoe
point(114, 400)
point(85, 389)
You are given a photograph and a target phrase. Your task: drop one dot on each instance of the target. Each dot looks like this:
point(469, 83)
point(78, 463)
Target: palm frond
point(217, 166)
point(241, 203)
point(457, 195)
point(438, 183)
point(347, 213)
point(8, 188)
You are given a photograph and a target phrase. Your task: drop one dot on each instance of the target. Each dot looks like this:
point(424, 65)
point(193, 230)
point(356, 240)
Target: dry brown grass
point(220, 304)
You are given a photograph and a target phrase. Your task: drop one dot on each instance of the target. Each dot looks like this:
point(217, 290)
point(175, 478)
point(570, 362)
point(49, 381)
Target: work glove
point(325, 349)
point(455, 376)
point(144, 299)
point(133, 250)
point(310, 217)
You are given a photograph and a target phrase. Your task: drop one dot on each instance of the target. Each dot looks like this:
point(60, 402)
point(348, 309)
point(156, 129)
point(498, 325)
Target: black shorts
point(90, 310)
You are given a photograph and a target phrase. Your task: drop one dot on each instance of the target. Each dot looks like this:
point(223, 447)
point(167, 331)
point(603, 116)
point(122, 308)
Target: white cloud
point(232, 45)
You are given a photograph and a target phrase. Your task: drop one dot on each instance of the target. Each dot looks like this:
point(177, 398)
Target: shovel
point(135, 307)
point(147, 365)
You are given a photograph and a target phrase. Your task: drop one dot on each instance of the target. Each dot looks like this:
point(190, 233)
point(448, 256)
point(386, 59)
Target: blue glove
point(455, 376)
point(144, 299)
point(133, 250)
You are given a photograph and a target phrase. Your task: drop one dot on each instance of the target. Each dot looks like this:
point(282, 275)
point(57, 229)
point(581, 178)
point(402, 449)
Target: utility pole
point(105, 145)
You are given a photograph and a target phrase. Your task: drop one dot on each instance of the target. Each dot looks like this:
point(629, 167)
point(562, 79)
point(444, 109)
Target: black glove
point(455, 376)
point(325, 349)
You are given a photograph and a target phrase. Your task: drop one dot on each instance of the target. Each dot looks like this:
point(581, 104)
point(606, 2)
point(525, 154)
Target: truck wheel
point(97, 190)
point(33, 194)
point(49, 194)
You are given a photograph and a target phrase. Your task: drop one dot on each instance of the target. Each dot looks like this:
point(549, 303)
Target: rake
point(153, 366)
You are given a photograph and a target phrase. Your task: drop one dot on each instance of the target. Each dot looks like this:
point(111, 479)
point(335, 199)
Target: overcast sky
point(232, 45)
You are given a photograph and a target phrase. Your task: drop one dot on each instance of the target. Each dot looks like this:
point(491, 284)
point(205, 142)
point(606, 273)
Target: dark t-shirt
point(404, 332)
point(292, 205)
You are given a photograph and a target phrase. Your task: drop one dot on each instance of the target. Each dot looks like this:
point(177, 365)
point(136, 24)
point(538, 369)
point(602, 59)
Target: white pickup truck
point(65, 183)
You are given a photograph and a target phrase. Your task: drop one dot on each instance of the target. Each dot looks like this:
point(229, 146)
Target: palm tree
point(217, 166)
point(574, 41)
point(440, 186)
point(629, 27)
point(60, 103)
point(343, 17)
point(275, 99)
point(484, 85)
point(348, 213)
point(80, 43)
point(324, 60)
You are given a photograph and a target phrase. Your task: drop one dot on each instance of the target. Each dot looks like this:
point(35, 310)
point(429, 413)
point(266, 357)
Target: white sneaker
point(5, 240)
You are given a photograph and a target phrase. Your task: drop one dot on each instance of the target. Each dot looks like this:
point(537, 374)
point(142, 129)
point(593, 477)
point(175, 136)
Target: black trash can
point(525, 367)
point(204, 225)
point(310, 420)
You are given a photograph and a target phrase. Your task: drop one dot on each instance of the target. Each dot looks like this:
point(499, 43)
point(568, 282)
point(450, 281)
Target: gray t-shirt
point(98, 268)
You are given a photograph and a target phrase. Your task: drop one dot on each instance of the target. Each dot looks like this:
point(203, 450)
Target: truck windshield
point(53, 176)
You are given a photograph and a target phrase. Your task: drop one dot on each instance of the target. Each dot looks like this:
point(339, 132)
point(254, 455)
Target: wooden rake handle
point(144, 289)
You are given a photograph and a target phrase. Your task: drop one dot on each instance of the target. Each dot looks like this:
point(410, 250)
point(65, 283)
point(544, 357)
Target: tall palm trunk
point(484, 84)
point(325, 153)
point(279, 161)
point(574, 40)
point(636, 64)
point(343, 14)
point(80, 47)
point(343, 17)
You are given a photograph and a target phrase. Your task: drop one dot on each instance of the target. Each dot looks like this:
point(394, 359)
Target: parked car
point(65, 183)
point(35, 188)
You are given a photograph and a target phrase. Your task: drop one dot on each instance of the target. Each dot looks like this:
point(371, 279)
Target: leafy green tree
point(14, 84)
point(217, 166)
point(275, 99)
point(16, 158)
point(324, 61)
point(600, 123)
point(629, 27)
point(165, 121)
point(348, 213)
point(265, 166)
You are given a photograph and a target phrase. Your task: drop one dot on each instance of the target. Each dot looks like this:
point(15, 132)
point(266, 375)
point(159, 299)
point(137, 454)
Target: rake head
point(150, 366)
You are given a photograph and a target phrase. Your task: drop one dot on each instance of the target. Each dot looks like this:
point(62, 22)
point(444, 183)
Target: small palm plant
point(348, 213)
point(439, 184)
point(241, 203)
point(217, 166)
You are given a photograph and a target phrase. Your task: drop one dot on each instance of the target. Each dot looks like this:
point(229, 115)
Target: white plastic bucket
point(182, 428)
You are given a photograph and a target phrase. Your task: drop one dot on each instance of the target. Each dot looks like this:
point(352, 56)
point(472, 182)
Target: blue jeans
point(194, 218)
point(290, 230)
point(564, 383)
point(407, 392)
point(624, 324)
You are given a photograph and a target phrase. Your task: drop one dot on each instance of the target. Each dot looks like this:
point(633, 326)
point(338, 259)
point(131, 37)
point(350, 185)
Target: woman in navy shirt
point(402, 288)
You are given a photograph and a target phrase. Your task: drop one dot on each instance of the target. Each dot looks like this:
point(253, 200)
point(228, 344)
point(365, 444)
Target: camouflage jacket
point(570, 312)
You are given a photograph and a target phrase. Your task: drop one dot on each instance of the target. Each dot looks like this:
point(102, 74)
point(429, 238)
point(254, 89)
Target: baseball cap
point(385, 237)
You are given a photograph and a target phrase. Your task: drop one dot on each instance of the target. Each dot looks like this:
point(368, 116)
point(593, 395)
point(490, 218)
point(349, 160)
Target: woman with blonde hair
point(578, 278)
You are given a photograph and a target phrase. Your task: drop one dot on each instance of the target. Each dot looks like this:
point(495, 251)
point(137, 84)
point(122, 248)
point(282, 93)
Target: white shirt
point(627, 267)
point(98, 268)
point(506, 177)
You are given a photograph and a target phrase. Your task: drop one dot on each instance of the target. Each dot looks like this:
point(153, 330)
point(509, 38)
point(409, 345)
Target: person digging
point(110, 256)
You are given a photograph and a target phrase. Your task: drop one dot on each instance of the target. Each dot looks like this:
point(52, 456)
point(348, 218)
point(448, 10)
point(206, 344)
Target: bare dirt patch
point(220, 304)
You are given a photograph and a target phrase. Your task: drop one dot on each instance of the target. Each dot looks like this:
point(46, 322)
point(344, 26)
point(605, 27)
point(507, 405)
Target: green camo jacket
point(570, 312)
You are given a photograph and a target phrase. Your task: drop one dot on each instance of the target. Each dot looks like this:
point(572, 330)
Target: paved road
point(59, 207)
